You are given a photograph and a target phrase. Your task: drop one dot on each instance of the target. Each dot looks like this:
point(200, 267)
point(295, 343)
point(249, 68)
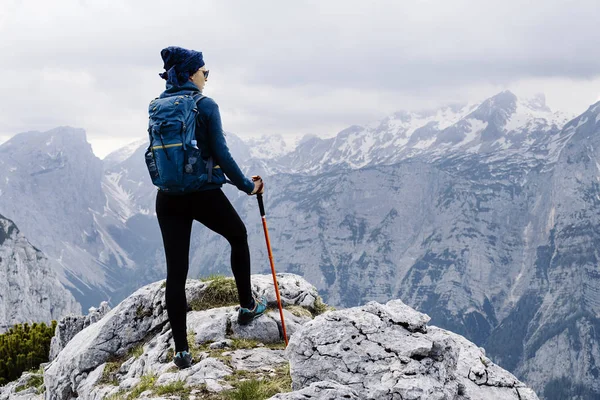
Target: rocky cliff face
point(50, 187)
point(29, 289)
point(371, 352)
point(55, 189)
point(561, 344)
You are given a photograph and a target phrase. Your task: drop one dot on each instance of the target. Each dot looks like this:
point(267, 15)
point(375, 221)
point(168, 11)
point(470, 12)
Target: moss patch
point(221, 292)
point(320, 307)
point(142, 312)
point(35, 381)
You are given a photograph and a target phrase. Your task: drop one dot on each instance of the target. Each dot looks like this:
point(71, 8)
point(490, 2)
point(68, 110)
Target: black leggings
point(175, 216)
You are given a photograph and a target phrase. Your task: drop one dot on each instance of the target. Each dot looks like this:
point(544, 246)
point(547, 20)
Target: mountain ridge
point(460, 230)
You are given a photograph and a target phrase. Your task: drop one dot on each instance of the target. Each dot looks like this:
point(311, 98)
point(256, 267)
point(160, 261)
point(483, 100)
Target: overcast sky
point(288, 67)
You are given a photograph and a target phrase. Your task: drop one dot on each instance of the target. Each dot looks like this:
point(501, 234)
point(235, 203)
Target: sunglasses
point(205, 74)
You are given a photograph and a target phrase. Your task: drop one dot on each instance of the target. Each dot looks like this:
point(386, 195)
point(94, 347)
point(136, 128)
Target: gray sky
point(286, 67)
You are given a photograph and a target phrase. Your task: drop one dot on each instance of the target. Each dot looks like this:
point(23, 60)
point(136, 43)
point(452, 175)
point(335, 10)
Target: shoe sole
point(183, 366)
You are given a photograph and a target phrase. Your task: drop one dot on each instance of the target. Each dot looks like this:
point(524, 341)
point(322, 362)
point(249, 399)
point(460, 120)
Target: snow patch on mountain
point(531, 116)
point(124, 153)
point(112, 252)
point(475, 128)
point(118, 199)
point(424, 144)
point(271, 146)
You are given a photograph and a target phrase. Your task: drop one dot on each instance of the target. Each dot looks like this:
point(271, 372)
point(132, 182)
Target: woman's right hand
point(259, 185)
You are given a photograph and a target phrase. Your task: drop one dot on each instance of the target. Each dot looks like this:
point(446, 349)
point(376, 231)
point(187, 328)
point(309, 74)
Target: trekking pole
point(261, 206)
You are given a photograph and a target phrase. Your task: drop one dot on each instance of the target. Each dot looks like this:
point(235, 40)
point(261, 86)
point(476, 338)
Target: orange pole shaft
point(264, 221)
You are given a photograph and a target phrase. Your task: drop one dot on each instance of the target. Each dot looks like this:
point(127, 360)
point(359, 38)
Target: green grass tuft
point(299, 311)
point(120, 395)
point(175, 388)
point(146, 382)
point(260, 388)
point(253, 385)
point(109, 375)
point(247, 390)
point(221, 292)
point(212, 277)
point(137, 351)
point(170, 354)
point(243, 344)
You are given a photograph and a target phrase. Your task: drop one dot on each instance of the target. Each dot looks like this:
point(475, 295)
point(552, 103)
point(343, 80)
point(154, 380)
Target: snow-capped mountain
point(482, 216)
point(29, 288)
point(122, 154)
point(501, 123)
point(269, 146)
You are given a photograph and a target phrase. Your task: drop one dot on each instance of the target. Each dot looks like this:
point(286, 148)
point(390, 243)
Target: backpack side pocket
point(152, 168)
point(169, 160)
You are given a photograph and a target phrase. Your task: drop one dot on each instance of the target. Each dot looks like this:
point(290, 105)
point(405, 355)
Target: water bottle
point(152, 167)
point(191, 166)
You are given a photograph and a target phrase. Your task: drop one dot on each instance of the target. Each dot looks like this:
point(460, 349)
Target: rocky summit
point(375, 351)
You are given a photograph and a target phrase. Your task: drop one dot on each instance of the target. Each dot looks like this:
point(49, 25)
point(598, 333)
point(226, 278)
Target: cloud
point(288, 67)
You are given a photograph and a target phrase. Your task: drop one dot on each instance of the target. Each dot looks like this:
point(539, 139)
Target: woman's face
point(198, 78)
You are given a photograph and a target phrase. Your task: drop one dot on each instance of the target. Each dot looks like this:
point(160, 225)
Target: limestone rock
point(377, 351)
point(133, 320)
point(320, 391)
point(116, 350)
point(256, 359)
point(388, 351)
point(71, 325)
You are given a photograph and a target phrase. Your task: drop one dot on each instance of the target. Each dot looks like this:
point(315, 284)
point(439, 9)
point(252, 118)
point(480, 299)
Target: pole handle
point(261, 205)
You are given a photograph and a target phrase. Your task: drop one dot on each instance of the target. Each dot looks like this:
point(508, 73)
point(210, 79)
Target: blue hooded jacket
point(210, 137)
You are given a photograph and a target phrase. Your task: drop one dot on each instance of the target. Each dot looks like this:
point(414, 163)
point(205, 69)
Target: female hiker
point(186, 74)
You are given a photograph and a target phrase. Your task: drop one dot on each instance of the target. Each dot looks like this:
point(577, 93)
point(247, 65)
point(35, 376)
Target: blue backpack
point(173, 158)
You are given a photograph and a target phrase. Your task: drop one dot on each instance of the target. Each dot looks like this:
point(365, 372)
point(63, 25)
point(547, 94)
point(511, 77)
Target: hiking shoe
point(183, 359)
point(245, 315)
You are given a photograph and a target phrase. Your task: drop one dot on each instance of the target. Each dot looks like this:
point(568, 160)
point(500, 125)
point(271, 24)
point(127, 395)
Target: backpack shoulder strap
point(210, 162)
point(198, 98)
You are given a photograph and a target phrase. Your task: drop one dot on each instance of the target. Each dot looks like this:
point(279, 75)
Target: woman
point(186, 72)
